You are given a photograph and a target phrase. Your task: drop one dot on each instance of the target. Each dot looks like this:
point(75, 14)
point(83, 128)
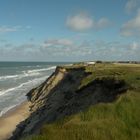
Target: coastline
point(15, 114)
point(12, 118)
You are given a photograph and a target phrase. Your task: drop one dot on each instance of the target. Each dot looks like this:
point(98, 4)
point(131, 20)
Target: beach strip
point(12, 118)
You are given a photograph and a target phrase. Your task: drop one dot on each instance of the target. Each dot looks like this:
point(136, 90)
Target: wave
point(28, 73)
point(15, 95)
point(45, 69)
point(6, 109)
point(34, 82)
point(25, 74)
point(8, 77)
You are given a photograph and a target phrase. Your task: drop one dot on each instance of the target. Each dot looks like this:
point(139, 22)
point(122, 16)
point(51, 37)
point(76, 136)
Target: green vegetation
point(105, 121)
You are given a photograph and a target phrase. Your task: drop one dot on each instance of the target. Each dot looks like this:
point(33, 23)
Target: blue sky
point(69, 30)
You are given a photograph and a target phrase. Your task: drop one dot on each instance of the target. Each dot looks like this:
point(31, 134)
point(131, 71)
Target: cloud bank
point(64, 49)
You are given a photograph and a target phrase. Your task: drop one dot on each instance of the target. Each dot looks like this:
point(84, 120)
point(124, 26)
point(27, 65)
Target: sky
point(69, 30)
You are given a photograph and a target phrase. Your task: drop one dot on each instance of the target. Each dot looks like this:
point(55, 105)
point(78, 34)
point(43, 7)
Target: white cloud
point(132, 5)
point(117, 51)
point(135, 46)
point(82, 22)
point(102, 23)
point(6, 29)
point(132, 27)
point(66, 48)
point(82, 51)
point(58, 42)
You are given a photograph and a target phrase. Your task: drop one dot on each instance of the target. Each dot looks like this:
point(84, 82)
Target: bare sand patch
point(12, 118)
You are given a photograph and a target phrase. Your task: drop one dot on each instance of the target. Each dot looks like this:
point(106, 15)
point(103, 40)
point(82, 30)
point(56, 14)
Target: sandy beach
point(13, 117)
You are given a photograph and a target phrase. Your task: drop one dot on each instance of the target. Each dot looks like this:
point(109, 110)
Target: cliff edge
point(63, 94)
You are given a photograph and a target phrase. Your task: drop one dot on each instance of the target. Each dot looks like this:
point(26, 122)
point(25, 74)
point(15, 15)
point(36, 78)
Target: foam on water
point(12, 96)
point(7, 109)
point(8, 77)
point(30, 82)
point(39, 70)
point(27, 73)
point(24, 87)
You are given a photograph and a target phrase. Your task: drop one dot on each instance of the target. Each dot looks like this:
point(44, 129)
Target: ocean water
point(18, 78)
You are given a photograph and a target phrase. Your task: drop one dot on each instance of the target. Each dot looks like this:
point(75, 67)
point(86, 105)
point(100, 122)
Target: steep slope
point(67, 92)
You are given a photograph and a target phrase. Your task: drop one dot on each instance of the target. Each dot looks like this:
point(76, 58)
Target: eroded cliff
point(62, 95)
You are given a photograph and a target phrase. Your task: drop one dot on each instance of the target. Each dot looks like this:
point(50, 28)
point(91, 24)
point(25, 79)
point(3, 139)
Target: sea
point(18, 78)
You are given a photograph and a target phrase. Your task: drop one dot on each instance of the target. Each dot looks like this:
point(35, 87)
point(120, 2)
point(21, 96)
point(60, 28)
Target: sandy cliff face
point(60, 96)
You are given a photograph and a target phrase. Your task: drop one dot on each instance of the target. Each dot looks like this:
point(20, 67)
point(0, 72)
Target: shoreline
point(12, 118)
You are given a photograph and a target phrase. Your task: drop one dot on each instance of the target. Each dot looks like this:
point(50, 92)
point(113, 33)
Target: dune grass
point(105, 121)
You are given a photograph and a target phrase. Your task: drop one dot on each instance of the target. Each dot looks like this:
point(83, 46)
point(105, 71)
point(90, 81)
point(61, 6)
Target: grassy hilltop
point(115, 120)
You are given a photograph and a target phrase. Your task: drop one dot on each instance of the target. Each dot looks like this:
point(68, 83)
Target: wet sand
point(12, 118)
